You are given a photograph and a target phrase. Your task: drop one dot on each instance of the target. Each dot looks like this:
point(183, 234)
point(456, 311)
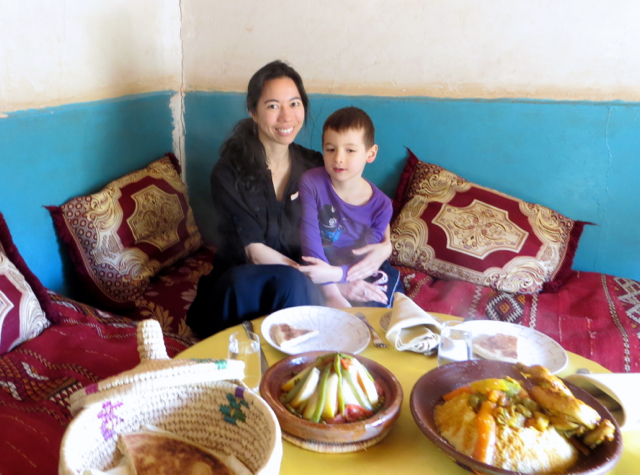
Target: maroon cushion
point(24, 302)
point(123, 235)
point(454, 229)
point(170, 294)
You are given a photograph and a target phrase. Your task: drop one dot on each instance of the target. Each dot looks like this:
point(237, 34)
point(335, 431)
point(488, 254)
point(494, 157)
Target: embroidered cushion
point(22, 316)
point(123, 235)
point(451, 228)
point(170, 294)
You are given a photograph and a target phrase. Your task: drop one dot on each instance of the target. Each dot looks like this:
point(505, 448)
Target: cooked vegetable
point(486, 433)
point(461, 390)
point(335, 388)
point(546, 403)
point(304, 389)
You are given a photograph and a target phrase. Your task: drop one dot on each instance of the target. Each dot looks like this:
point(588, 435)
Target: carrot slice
point(461, 390)
point(486, 433)
point(346, 364)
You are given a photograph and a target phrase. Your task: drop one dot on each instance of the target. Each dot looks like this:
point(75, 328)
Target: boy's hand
point(319, 271)
point(362, 291)
point(376, 254)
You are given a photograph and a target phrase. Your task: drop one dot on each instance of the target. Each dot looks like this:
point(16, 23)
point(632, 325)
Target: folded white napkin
point(618, 392)
point(411, 328)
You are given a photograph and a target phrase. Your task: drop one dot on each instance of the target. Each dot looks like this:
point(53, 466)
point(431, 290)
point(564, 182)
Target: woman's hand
point(362, 291)
point(261, 254)
point(375, 255)
point(319, 271)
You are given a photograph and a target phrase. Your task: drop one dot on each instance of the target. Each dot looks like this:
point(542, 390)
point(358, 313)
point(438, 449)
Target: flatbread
point(162, 454)
point(287, 336)
point(499, 347)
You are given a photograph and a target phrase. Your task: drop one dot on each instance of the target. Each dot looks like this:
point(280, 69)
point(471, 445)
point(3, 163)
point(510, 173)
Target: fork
point(377, 341)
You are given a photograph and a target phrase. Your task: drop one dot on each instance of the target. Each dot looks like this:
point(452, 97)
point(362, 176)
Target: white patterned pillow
point(21, 316)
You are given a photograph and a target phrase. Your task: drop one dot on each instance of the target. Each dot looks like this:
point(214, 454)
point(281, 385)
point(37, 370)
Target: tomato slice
point(339, 419)
point(353, 413)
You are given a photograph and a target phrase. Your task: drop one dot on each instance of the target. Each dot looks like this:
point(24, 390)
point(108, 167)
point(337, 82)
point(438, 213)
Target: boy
point(341, 211)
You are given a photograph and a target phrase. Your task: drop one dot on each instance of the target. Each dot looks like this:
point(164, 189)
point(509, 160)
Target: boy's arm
point(375, 255)
point(320, 270)
point(309, 229)
point(381, 219)
point(380, 248)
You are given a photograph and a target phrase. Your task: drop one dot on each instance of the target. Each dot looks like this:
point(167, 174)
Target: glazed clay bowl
point(331, 438)
point(428, 391)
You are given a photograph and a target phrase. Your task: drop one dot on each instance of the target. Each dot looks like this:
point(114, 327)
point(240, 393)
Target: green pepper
point(322, 395)
point(338, 369)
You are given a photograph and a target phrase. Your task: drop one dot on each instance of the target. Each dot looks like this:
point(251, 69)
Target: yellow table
point(405, 450)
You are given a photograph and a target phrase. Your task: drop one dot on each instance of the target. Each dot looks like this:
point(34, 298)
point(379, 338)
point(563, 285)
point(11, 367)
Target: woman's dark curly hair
point(244, 147)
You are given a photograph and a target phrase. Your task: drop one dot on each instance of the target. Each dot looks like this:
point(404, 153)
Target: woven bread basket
point(190, 398)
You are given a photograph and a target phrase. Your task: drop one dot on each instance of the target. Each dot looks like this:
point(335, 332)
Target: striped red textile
point(593, 315)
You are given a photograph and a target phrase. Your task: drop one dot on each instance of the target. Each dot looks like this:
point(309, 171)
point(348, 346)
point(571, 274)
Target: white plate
point(339, 330)
point(534, 348)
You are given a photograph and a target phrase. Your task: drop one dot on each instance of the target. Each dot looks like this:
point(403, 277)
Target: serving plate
point(339, 330)
point(332, 438)
point(534, 347)
point(428, 391)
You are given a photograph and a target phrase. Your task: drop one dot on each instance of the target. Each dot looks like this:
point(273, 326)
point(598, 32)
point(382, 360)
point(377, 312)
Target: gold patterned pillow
point(123, 235)
point(451, 228)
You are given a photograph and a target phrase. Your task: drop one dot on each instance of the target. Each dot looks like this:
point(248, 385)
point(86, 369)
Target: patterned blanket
point(37, 377)
point(593, 315)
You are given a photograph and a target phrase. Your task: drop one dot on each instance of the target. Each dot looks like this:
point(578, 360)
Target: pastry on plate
point(498, 347)
point(287, 336)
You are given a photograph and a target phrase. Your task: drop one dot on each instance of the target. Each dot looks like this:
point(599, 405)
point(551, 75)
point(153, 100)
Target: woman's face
point(279, 113)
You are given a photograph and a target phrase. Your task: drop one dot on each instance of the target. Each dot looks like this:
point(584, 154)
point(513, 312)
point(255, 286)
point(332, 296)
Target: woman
point(254, 186)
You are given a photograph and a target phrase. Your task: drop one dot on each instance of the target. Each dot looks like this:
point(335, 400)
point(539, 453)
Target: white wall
point(56, 52)
point(570, 49)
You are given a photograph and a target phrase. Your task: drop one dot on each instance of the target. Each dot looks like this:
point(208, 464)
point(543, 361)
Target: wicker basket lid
point(155, 371)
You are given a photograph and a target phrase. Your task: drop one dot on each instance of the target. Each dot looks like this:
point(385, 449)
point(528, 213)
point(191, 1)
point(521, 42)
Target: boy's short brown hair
point(349, 118)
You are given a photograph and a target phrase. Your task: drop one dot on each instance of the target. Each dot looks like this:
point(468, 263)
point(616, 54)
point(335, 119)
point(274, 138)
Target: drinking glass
point(245, 346)
point(456, 343)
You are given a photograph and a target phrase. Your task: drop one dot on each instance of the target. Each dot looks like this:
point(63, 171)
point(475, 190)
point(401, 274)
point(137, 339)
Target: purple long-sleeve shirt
point(331, 229)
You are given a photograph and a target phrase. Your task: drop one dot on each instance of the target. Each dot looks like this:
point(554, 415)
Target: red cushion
point(170, 294)
point(122, 236)
point(451, 228)
point(24, 303)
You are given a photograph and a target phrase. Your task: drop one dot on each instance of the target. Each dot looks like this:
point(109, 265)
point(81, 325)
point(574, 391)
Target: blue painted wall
point(51, 155)
point(579, 158)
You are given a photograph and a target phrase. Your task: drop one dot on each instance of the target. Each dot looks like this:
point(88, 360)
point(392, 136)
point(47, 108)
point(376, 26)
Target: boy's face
point(345, 154)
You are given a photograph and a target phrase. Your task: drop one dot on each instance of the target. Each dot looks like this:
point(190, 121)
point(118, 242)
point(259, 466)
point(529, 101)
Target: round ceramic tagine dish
point(428, 391)
point(331, 438)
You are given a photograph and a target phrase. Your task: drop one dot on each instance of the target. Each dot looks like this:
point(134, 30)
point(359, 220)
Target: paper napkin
point(618, 392)
point(411, 328)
